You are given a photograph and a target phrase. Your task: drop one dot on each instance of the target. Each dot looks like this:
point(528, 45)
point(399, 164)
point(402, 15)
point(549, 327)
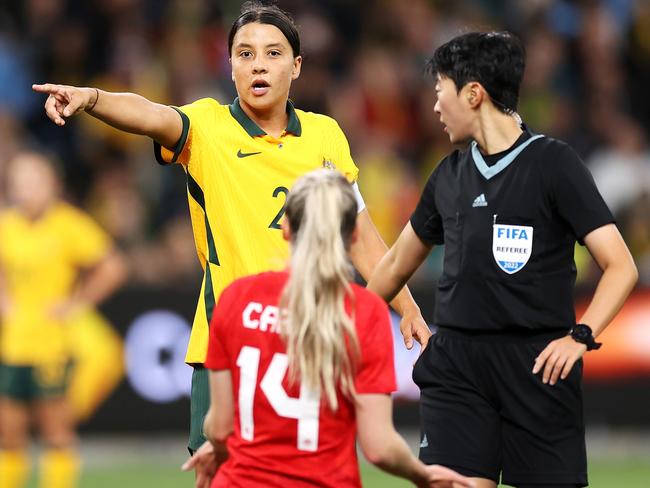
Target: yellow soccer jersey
point(238, 178)
point(40, 261)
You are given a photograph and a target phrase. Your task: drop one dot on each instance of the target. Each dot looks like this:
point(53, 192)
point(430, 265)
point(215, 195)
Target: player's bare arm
point(399, 264)
point(386, 449)
point(619, 277)
point(98, 283)
point(366, 253)
point(125, 111)
point(218, 425)
point(4, 298)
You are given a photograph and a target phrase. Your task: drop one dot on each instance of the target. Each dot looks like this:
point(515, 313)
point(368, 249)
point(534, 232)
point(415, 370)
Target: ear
point(355, 235)
point(475, 94)
point(297, 64)
point(286, 230)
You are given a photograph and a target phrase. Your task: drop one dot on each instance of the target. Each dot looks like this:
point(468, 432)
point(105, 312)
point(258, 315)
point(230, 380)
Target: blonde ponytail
point(321, 339)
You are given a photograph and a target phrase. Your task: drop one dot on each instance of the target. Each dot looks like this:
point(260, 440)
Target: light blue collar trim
point(490, 171)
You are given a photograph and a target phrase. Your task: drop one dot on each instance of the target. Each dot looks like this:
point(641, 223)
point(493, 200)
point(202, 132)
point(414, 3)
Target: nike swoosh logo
point(245, 155)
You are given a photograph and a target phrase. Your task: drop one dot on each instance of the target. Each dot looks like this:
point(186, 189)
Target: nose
point(259, 67)
point(436, 107)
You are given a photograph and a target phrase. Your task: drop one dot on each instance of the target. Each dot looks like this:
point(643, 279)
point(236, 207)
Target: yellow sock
point(59, 468)
point(14, 469)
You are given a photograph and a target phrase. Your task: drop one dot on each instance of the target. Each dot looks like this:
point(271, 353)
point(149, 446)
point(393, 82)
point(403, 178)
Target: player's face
point(263, 66)
point(454, 111)
point(33, 185)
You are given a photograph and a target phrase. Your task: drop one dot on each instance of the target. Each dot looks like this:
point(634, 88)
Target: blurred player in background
point(55, 263)
point(509, 210)
point(309, 357)
point(240, 160)
point(98, 355)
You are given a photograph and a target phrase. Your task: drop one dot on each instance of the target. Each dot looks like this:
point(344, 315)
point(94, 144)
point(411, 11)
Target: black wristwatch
point(582, 333)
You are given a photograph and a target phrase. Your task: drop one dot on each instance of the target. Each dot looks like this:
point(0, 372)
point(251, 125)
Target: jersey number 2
point(275, 224)
point(305, 408)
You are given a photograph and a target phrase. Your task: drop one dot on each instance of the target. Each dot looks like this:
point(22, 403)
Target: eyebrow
point(244, 44)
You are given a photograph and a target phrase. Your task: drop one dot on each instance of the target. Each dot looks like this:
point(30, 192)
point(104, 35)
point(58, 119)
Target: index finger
point(407, 335)
point(446, 474)
point(189, 464)
point(47, 88)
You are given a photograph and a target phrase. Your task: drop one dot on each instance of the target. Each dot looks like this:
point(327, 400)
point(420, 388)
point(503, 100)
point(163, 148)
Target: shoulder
point(557, 156)
point(447, 165)
point(452, 160)
point(205, 104)
point(247, 286)
point(550, 148)
point(71, 215)
point(205, 108)
point(8, 216)
point(319, 121)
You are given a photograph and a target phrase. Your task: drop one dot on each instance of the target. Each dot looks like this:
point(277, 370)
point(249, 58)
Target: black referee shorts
point(484, 413)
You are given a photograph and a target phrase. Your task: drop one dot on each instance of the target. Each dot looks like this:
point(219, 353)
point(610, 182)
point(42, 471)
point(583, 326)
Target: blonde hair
point(321, 339)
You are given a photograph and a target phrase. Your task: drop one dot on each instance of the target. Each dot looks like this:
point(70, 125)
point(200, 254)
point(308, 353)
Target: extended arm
point(366, 254)
point(125, 111)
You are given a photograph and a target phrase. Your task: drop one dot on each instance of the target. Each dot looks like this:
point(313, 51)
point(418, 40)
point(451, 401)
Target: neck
point(497, 131)
point(273, 121)
point(34, 214)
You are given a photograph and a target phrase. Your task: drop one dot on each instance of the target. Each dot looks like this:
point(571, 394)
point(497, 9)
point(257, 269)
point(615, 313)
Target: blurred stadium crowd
point(586, 82)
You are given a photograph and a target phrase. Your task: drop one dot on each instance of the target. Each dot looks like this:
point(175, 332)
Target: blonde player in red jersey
point(302, 362)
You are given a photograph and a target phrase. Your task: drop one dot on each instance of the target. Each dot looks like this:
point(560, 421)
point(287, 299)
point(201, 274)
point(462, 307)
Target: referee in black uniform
point(501, 380)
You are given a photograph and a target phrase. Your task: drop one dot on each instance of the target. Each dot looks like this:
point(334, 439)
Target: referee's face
point(455, 110)
point(263, 66)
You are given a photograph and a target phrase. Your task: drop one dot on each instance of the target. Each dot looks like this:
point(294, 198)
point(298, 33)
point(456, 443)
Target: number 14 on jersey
point(305, 409)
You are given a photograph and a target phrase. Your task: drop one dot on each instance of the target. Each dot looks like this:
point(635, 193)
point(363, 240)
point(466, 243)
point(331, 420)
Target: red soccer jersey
point(284, 435)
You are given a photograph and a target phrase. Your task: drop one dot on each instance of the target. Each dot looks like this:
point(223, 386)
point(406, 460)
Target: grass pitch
point(603, 473)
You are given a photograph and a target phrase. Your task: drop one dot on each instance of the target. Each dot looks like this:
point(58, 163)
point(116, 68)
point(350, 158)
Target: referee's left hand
point(558, 358)
point(412, 327)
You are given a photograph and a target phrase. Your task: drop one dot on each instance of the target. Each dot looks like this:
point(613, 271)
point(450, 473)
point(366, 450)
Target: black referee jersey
point(509, 223)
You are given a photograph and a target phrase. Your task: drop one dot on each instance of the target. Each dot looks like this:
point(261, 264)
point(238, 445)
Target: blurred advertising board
point(154, 395)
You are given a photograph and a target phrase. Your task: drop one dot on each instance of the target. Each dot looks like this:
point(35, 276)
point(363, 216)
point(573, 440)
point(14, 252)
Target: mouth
point(260, 87)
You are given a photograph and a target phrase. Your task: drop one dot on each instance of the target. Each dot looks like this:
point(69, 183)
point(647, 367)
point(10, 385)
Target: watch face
point(581, 332)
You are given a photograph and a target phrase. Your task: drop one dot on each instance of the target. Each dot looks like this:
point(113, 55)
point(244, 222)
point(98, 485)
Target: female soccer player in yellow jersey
point(240, 160)
point(45, 245)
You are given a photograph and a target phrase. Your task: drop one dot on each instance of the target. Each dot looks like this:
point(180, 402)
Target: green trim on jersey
point(208, 293)
point(254, 130)
point(179, 145)
point(294, 122)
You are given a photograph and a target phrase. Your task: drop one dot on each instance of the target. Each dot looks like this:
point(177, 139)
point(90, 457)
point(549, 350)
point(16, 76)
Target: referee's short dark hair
point(496, 60)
